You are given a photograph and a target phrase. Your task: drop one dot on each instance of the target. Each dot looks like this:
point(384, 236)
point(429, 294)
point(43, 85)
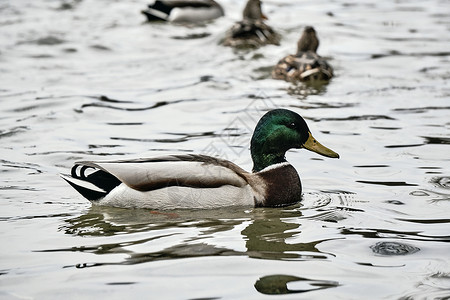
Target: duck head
point(308, 41)
point(278, 131)
point(253, 12)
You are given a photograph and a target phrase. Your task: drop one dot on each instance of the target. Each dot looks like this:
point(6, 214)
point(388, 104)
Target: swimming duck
point(251, 32)
point(306, 65)
point(200, 181)
point(183, 11)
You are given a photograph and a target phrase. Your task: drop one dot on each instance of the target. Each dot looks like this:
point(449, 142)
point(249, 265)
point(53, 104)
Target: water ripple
point(419, 110)
point(330, 206)
point(155, 105)
point(387, 183)
point(22, 165)
point(358, 118)
point(13, 131)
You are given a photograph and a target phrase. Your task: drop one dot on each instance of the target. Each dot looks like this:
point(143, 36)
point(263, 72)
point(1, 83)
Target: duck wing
point(147, 174)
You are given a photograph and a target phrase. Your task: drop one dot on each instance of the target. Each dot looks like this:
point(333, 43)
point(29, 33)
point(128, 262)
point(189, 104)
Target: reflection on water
point(265, 233)
point(304, 89)
point(278, 284)
point(266, 237)
point(91, 80)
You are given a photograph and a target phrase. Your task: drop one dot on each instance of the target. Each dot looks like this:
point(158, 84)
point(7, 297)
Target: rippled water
point(87, 79)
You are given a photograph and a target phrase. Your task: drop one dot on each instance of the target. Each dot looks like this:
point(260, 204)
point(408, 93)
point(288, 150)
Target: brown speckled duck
point(306, 65)
point(200, 181)
point(251, 32)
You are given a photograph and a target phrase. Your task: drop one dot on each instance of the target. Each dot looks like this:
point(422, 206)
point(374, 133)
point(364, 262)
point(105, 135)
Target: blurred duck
point(251, 32)
point(306, 65)
point(183, 11)
point(200, 181)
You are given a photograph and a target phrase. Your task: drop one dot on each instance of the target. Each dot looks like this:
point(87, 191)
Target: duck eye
point(291, 125)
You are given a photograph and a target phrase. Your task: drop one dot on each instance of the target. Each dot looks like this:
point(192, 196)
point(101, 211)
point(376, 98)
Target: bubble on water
point(330, 206)
point(315, 200)
point(441, 182)
point(434, 197)
point(419, 193)
point(393, 248)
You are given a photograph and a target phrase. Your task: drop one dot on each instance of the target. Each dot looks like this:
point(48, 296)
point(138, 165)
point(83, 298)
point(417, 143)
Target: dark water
point(90, 80)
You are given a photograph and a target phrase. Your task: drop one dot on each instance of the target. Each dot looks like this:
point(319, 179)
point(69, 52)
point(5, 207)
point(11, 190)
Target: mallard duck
point(306, 65)
point(251, 32)
point(200, 181)
point(184, 11)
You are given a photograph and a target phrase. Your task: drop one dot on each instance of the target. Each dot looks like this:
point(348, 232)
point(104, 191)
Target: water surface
point(90, 80)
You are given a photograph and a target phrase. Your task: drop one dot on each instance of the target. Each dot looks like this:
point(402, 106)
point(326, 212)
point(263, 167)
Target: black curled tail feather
point(161, 6)
point(159, 11)
point(93, 186)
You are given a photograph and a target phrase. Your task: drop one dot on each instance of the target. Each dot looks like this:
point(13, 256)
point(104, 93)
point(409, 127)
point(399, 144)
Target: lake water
point(90, 80)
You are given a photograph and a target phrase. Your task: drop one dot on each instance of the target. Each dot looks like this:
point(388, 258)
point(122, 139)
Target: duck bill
point(313, 145)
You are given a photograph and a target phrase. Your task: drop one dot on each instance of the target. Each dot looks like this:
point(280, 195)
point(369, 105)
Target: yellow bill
point(313, 145)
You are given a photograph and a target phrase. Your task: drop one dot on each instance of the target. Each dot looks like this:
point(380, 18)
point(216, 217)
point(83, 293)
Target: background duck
point(200, 181)
point(251, 32)
point(306, 65)
point(184, 11)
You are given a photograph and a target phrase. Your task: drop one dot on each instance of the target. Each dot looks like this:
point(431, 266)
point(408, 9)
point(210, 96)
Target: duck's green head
point(278, 131)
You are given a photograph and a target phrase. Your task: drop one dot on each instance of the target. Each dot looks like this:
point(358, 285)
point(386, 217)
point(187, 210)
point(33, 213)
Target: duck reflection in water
point(265, 233)
point(278, 284)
